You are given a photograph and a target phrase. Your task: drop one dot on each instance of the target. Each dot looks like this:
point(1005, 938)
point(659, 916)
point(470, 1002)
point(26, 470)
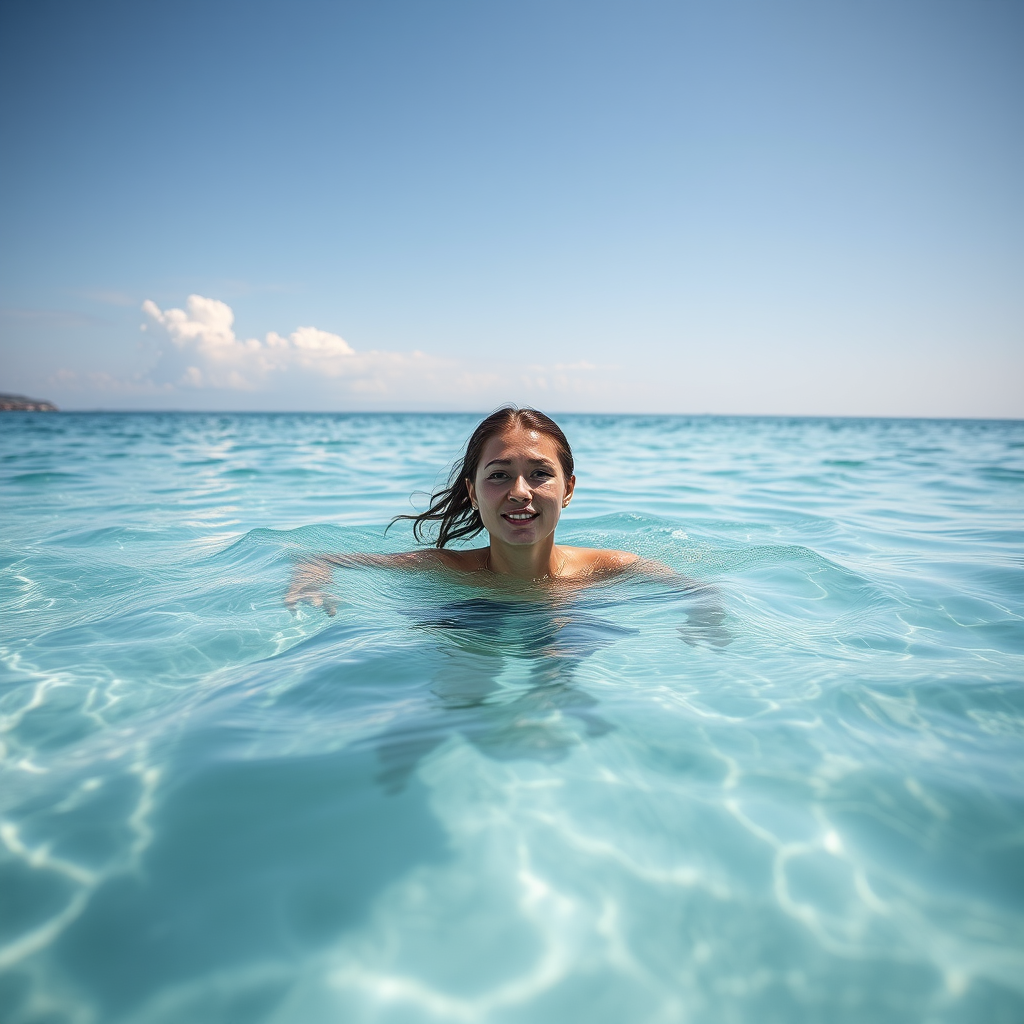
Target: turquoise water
point(445, 805)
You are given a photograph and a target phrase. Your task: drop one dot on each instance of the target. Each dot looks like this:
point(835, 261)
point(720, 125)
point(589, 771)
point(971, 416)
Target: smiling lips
point(519, 517)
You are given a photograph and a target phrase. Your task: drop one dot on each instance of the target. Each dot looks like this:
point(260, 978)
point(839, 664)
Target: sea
point(783, 783)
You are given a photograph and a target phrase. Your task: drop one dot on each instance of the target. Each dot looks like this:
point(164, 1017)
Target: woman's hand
point(705, 617)
point(705, 622)
point(309, 579)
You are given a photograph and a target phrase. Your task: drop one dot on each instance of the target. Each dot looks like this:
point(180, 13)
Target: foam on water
point(447, 804)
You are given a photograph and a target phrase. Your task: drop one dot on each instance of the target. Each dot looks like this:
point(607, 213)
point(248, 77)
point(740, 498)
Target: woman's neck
point(525, 561)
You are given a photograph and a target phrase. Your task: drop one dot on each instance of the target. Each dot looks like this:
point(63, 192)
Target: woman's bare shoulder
point(472, 560)
point(598, 560)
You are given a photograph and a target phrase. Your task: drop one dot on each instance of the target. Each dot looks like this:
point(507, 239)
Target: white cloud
point(201, 351)
point(313, 340)
point(204, 333)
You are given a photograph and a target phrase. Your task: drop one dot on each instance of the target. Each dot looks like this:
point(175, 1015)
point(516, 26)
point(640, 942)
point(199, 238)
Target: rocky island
point(19, 403)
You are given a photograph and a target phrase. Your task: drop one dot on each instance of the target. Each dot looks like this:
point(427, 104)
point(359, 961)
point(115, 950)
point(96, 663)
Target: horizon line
point(485, 412)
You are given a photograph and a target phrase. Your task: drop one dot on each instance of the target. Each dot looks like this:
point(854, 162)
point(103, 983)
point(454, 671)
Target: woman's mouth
point(519, 517)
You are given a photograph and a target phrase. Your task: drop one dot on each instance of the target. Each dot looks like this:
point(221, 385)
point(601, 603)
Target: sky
point(782, 208)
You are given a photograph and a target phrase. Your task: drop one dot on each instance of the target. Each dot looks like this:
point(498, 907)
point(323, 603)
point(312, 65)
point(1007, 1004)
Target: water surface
point(445, 805)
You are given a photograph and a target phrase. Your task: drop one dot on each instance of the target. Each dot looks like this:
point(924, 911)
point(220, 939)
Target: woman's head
point(453, 506)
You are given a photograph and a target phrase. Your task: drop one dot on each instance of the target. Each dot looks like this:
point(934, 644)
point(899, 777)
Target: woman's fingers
point(302, 590)
point(313, 596)
point(706, 623)
point(308, 581)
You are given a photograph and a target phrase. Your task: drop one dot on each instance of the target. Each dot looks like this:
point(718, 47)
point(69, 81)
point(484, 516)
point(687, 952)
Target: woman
point(513, 481)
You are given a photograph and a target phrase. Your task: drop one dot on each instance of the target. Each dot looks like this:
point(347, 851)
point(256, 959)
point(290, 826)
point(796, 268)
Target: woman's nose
point(519, 489)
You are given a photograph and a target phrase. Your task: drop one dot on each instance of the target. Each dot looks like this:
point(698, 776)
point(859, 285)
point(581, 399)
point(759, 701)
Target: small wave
point(48, 476)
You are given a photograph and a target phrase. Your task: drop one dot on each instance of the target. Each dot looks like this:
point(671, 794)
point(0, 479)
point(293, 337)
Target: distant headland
point(19, 403)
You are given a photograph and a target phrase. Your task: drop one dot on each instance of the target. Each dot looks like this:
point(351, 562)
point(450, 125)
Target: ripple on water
point(794, 795)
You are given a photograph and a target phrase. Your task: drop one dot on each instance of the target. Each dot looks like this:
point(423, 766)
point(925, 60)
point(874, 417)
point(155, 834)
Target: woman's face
point(520, 487)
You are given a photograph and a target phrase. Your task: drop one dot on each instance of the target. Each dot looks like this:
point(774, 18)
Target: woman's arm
point(312, 576)
point(705, 616)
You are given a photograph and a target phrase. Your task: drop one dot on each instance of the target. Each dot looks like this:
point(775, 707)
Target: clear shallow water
point(443, 806)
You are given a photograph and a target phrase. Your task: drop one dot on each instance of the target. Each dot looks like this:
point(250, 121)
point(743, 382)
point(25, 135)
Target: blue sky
point(782, 208)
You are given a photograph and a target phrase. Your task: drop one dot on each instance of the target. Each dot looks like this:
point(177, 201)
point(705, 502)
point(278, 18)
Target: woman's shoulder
point(471, 560)
point(598, 560)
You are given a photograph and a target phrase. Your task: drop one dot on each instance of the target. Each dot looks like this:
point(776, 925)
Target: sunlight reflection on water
point(445, 805)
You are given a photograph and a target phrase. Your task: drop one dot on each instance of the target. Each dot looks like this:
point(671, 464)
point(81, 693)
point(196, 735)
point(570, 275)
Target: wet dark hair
point(451, 506)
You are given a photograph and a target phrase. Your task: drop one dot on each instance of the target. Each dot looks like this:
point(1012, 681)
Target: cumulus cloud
point(204, 333)
point(197, 349)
